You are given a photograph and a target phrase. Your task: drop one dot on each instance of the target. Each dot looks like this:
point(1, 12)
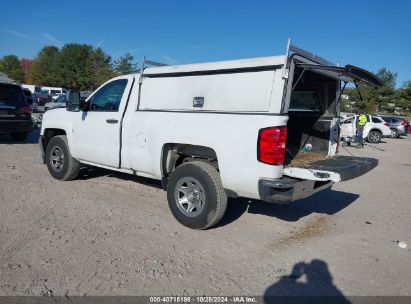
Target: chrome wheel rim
point(375, 137)
point(57, 158)
point(393, 133)
point(189, 196)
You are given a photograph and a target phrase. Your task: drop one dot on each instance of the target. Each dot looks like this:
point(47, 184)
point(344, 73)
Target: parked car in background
point(398, 125)
point(375, 128)
point(40, 99)
point(56, 103)
point(53, 90)
point(15, 112)
point(56, 95)
point(32, 88)
point(84, 95)
point(29, 96)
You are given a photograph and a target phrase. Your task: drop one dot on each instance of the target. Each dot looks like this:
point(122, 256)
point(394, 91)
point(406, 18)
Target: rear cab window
point(306, 100)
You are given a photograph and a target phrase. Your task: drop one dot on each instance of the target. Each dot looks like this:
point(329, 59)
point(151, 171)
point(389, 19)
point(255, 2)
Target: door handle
point(112, 121)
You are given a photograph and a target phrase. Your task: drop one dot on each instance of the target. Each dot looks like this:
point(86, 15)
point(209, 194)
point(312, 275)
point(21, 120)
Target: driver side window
point(108, 98)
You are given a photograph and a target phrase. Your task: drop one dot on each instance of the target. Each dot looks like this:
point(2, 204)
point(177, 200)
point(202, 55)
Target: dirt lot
point(110, 233)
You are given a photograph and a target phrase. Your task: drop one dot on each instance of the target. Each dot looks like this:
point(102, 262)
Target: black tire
point(374, 137)
point(394, 133)
point(59, 161)
point(211, 198)
point(21, 136)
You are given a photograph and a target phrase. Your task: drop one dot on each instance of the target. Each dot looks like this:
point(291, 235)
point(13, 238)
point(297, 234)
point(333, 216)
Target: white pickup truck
point(262, 128)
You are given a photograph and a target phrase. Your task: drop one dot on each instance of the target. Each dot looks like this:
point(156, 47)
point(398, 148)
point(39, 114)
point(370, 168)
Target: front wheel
point(59, 161)
point(196, 196)
point(374, 137)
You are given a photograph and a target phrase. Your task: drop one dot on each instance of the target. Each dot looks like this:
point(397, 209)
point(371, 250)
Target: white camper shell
point(263, 128)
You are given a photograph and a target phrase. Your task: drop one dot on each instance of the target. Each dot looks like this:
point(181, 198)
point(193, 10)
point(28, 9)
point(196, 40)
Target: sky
point(369, 34)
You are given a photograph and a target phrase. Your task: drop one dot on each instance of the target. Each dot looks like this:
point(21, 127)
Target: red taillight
point(26, 110)
point(404, 123)
point(271, 145)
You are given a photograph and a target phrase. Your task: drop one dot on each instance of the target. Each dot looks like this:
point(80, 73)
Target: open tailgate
point(336, 168)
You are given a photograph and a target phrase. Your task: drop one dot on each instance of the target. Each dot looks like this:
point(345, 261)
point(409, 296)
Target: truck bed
point(305, 159)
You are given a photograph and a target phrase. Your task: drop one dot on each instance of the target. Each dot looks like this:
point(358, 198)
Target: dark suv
point(398, 125)
point(15, 112)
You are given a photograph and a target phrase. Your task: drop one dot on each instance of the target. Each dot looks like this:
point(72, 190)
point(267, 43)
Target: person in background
point(361, 121)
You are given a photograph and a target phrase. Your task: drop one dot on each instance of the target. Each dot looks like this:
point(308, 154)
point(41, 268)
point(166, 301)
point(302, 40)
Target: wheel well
point(173, 155)
point(48, 134)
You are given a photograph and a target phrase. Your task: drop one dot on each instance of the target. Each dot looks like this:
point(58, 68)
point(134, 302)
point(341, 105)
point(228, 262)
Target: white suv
point(375, 128)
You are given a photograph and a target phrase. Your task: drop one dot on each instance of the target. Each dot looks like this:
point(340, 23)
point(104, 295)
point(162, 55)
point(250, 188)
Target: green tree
point(125, 65)
point(74, 66)
point(403, 97)
point(45, 70)
point(99, 68)
point(10, 65)
point(374, 99)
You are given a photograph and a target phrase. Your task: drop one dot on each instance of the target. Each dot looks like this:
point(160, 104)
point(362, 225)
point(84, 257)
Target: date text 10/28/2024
point(204, 299)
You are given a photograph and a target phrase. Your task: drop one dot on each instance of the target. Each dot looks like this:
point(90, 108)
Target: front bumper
point(285, 190)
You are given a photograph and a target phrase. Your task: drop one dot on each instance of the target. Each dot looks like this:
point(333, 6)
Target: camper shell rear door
point(336, 168)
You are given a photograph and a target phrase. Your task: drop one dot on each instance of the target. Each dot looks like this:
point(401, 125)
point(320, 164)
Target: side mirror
point(73, 101)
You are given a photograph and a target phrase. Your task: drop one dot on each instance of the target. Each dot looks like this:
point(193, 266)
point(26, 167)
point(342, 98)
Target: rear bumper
point(402, 130)
point(285, 190)
point(17, 126)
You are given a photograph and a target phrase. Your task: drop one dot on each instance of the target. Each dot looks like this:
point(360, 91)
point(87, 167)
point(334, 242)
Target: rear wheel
point(18, 136)
point(59, 161)
point(374, 136)
point(196, 196)
point(394, 133)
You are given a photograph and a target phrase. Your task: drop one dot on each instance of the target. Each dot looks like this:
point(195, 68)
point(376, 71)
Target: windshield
point(11, 93)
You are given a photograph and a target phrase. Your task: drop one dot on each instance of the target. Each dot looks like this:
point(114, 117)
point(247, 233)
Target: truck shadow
point(325, 202)
point(307, 283)
point(90, 172)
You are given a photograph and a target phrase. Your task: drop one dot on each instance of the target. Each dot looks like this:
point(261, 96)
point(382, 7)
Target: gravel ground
point(112, 234)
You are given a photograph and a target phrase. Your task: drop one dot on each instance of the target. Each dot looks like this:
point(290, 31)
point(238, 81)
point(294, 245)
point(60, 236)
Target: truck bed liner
point(347, 166)
point(304, 158)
